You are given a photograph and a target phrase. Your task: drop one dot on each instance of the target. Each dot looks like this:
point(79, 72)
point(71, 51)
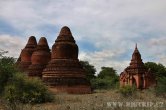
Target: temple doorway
point(134, 84)
point(141, 82)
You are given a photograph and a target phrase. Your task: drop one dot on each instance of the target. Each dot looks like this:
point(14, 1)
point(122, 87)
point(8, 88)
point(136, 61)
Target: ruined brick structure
point(24, 59)
point(40, 57)
point(64, 73)
point(59, 69)
point(136, 73)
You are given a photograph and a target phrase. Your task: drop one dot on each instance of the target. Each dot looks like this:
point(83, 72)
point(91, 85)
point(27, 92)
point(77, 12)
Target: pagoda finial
point(65, 31)
point(136, 46)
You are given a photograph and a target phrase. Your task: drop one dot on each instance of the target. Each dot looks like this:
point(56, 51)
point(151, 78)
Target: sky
point(106, 31)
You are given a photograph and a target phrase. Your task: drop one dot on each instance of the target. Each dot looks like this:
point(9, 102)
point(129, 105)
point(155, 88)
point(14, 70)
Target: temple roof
point(65, 35)
point(136, 61)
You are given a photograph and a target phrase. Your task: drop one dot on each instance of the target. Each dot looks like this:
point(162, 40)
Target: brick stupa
point(40, 57)
point(136, 73)
point(25, 57)
point(64, 73)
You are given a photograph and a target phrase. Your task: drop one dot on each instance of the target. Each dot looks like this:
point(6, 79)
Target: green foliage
point(106, 79)
point(161, 87)
point(158, 69)
point(107, 72)
point(16, 87)
point(107, 83)
point(7, 70)
point(127, 90)
point(26, 90)
point(90, 70)
point(160, 72)
point(99, 83)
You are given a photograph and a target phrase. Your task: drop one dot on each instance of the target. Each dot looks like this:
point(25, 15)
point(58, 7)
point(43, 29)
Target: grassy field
point(100, 100)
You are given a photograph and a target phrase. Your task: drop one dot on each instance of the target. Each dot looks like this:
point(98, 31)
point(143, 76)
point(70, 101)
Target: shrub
point(127, 90)
point(106, 83)
point(16, 87)
point(106, 79)
point(107, 72)
point(6, 71)
point(26, 90)
point(99, 83)
point(161, 87)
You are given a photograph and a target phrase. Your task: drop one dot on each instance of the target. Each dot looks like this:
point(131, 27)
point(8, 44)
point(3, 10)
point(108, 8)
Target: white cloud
point(158, 41)
point(107, 58)
point(12, 44)
point(112, 26)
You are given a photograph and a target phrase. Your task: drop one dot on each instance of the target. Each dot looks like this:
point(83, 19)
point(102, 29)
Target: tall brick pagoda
point(40, 57)
point(25, 57)
point(64, 73)
point(136, 73)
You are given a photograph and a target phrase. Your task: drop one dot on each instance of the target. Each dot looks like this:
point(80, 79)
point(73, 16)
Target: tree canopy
point(107, 72)
point(160, 72)
point(106, 79)
point(158, 69)
point(90, 69)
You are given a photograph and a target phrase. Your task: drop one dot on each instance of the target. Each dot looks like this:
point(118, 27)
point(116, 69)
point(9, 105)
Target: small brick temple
point(136, 74)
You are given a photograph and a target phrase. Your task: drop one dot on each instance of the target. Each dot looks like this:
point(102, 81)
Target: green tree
point(161, 87)
point(159, 70)
point(99, 83)
point(107, 72)
point(16, 87)
point(108, 83)
point(106, 79)
point(23, 89)
point(7, 71)
point(90, 70)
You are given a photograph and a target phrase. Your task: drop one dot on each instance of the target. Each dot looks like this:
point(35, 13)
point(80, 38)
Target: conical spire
point(65, 46)
point(136, 47)
point(31, 42)
point(42, 44)
point(65, 31)
point(40, 57)
point(65, 35)
point(43, 41)
point(64, 72)
point(136, 60)
point(136, 54)
point(26, 53)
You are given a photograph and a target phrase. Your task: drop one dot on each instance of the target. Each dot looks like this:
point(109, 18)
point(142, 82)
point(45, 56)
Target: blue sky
point(106, 31)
